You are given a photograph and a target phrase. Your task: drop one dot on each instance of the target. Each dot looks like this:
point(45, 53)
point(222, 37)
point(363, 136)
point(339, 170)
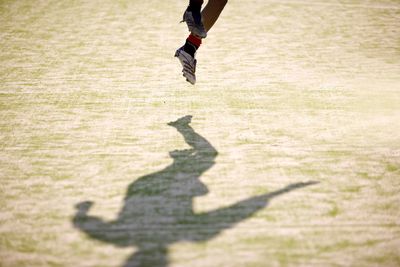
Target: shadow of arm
point(193, 139)
point(95, 227)
point(225, 218)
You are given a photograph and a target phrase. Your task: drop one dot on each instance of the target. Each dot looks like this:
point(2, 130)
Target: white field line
point(337, 5)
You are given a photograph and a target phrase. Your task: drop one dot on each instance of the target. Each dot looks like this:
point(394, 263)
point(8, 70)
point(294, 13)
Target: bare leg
point(211, 12)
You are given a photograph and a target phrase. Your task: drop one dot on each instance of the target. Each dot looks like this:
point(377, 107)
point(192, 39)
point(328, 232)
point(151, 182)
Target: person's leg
point(208, 16)
point(211, 12)
point(195, 5)
point(186, 54)
point(199, 24)
point(192, 17)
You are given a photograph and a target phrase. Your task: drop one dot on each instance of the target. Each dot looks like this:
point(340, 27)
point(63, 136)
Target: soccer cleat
point(194, 23)
point(188, 63)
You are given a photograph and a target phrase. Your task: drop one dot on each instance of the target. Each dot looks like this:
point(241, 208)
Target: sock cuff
point(194, 40)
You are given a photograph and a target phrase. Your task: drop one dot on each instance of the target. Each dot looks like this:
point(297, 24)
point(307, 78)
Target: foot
point(194, 23)
point(189, 65)
point(181, 121)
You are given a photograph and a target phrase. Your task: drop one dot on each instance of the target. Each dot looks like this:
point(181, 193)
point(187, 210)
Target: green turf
point(288, 92)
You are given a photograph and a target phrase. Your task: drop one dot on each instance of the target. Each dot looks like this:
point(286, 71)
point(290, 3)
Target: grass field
point(292, 157)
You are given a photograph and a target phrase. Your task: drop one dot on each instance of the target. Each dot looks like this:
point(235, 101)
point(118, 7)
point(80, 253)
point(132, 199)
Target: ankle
point(192, 44)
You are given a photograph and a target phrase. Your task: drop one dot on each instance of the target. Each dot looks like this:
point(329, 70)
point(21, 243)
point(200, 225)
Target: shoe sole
point(177, 53)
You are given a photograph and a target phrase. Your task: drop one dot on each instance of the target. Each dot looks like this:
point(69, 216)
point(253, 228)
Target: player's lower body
point(199, 22)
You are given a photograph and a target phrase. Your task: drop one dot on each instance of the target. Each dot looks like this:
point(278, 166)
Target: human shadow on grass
point(158, 210)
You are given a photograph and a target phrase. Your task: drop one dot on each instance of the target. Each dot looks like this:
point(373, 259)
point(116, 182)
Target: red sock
point(192, 44)
point(196, 41)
